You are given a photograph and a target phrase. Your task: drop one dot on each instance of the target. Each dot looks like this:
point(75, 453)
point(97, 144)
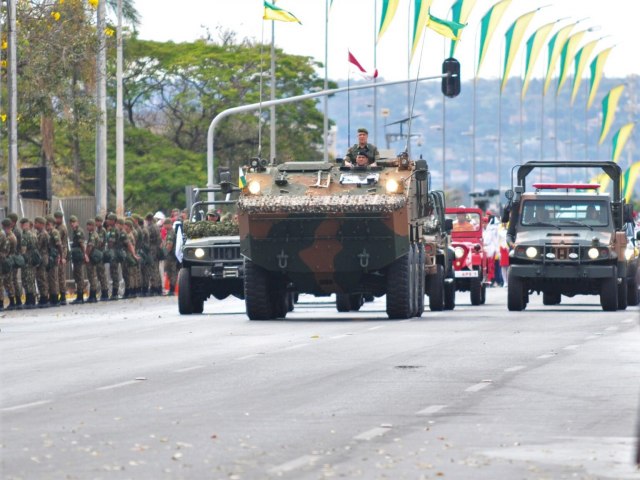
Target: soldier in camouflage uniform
point(155, 244)
point(94, 254)
point(101, 270)
point(136, 235)
point(78, 257)
point(28, 248)
point(145, 261)
point(4, 248)
point(112, 239)
point(363, 145)
point(170, 261)
point(7, 273)
point(62, 269)
point(42, 242)
point(131, 261)
point(55, 260)
point(16, 270)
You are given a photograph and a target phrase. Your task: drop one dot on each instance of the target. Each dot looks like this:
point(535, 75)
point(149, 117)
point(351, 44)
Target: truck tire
point(436, 292)
point(622, 295)
point(185, 300)
point(632, 291)
point(609, 293)
point(551, 298)
point(257, 297)
point(343, 302)
point(400, 288)
point(515, 294)
point(420, 280)
point(483, 294)
point(280, 299)
point(475, 290)
point(449, 295)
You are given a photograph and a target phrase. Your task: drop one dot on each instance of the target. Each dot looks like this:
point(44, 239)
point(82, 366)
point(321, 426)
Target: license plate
point(466, 274)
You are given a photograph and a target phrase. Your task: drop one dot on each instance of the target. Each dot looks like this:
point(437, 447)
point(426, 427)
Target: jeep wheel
point(257, 297)
point(185, 300)
point(420, 280)
point(551, 298)
point(198, 305)
point(632, 292)
point(475, 290)
point(436, 290)
point(449, 295)
point(609, 294)
point(483, 294)
point(400, 288)
point(622, 295)
point(515, 294)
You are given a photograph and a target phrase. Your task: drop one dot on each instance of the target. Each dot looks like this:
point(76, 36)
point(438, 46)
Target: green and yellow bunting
point(446, 28)
point(420, 15)
point(460, 11)
point(271, 12)
point(242, 181)
point(620, 140)
point(582, 57)
point(609, 105)
point(513, 38)
point(568, 54)
point(629, 179)
point(488, 27)
point(534, 47)
point(555, 48)
point(597, 68)
point(389, 8)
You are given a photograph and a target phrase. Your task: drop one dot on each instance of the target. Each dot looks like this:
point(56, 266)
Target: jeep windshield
point(465, 221)
point(570, 213)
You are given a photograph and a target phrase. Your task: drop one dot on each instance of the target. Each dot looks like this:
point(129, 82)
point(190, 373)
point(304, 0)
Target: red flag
point(355, 62)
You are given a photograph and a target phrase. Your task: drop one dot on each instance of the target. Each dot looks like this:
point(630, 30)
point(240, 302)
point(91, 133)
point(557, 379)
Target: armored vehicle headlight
point(254, 187)
point(593, 253)
point(392, 186)
point(459, 251)
point(531, 252)
point(199, 253)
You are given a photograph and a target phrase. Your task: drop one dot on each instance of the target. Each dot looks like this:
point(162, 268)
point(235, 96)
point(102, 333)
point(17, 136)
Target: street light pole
point(119, 119)
point(12, 88)
point(101, 123)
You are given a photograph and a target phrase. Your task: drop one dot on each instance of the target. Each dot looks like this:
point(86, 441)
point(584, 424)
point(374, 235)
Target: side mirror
point(505, 215)
point(451, 77)
point(421, 170)
point(448, 224)
point(508, 194)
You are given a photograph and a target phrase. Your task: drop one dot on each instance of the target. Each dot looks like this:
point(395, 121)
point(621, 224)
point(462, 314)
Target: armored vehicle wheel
point(515, 294)
point(420, 281)
point(368, 297)
point(291, 301)
point(622, 295)
point(185, 298)
point(449, 295)
point(632, 292)
point(483, 294)
point(257, 296)
point(475, 290)
point(400, 288)
point(436, 290)
point(280, 299)
point(551, 298)
point(346, 302)
point(609, 294)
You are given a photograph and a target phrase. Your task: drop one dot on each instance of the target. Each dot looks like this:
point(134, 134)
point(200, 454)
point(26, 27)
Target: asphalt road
point(131, 389)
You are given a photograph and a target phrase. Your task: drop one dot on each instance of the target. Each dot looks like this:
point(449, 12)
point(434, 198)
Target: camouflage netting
point(210, 229)
point(321, 203)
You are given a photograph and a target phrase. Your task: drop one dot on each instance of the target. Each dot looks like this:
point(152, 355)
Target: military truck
point(439, 273)
point(569, 239)
point(323, 228)
point(211, 260)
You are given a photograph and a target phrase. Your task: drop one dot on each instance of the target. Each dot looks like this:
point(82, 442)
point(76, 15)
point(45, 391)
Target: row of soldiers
point(37, 252)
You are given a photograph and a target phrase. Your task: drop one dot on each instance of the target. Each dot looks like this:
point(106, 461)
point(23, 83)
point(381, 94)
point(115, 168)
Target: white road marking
point(373, 433)
point(431, 409)
point(335, 337)
point(628, 320)
point(546, 355)
point(118, 385)
point(303, 461)
point(611, 329)
point(477, 387)
point(571, 347)
point(376, 328)
point(189, 369)
point(294, 347)
point(591, 337)
point(515, 369)
point(246, 357)
point(25, 405)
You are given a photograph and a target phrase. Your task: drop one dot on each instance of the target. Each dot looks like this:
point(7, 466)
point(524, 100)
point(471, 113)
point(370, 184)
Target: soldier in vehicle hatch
point(370, 149)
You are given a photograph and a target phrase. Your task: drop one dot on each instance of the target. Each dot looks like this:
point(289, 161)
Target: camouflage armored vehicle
point(439, 273)
point(321, 228)
point(568, 239)
point(211, 260)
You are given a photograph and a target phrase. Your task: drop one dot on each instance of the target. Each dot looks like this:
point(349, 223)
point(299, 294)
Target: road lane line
point(571, 347)
point(546, 355)
point(25, 405)
point(611, 329)
point(335, 337)
point(189, 369)
point(515, 369)
point(118, 385)
point(628, 320)
point(376, 328)
point(477, 387)
point(246, 357)
point(294, 347)
point(373, 433)
point(591, 337)
point(431, 409)
point(303, 461)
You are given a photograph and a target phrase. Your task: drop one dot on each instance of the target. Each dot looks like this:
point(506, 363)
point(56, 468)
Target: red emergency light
point(575, 186)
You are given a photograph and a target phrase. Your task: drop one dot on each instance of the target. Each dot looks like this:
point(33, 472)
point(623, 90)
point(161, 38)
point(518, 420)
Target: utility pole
point(12, 88)
point(101, 123)
point(119, 119)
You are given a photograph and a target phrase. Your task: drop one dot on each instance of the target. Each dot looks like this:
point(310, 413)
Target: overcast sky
point(351, 27)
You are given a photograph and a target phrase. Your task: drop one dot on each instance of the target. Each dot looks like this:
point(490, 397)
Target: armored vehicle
point(568, 239)
point(321, 228)
point(439, 273)
point(211, 260)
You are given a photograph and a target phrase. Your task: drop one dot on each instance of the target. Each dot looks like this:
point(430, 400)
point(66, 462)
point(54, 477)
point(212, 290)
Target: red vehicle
point(470, 260)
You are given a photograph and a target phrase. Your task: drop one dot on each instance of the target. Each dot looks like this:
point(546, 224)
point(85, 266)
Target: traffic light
point(35, 182)
point(451, 80)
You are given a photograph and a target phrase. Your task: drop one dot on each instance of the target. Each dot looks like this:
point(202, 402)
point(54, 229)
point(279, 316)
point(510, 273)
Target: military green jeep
point(569, 239)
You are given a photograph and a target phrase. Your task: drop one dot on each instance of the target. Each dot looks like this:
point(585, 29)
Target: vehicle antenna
point(413, 101)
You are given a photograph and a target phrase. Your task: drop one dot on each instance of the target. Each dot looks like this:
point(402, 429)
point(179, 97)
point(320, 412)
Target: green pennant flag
point(597, 68)
point(555, 48)
point(271, 12)
point(460, 11)
point(488, 27)
point(620, 140)
point(446, 28)
point(534, 47)
point(420, 15)
point(389, 8)
point(609, 105)
point(582, 57)
point(568, 54)
point(513, 38)
point(629, 179)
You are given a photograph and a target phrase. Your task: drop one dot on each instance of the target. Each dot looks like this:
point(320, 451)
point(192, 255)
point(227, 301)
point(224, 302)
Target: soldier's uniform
point(55, 257)
point(16, 274)
point(95, 257)
point(7, 273)
point(42, 242)
point(101, 270)
point(28, 248)
point(136, 235)
point(145, 261)
point(170, 261)
point(113, 247)
point(78, 255)
point(371, 151)
point(130, 264)
point(155, 244)
point(62, 271)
